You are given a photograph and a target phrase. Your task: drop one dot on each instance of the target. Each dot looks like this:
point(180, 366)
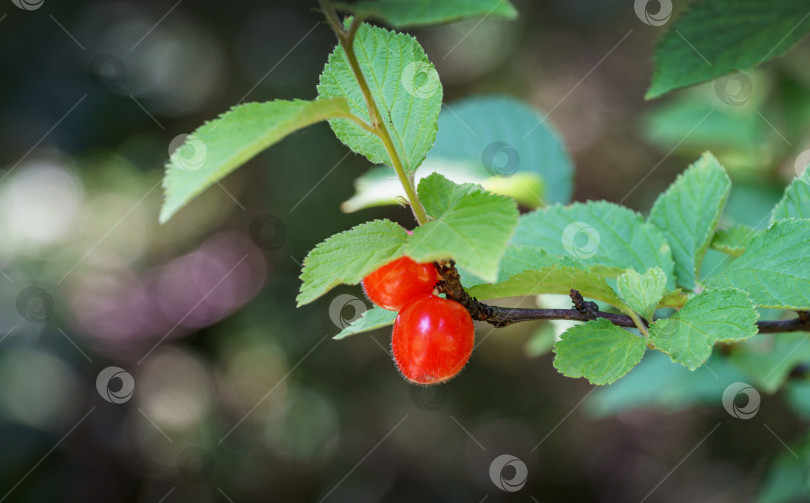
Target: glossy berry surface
point(433, 339)
point(400, 282)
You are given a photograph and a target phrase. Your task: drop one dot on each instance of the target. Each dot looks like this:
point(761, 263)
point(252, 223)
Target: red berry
point(432, 340)
point(399, 282)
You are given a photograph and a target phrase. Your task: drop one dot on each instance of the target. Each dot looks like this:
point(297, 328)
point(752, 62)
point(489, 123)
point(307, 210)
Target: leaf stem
point(378, 127)
point(360, 122)
point(642, 327)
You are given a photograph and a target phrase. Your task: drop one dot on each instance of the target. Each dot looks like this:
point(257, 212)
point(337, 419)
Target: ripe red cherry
point(432, 340)
point(399, 282)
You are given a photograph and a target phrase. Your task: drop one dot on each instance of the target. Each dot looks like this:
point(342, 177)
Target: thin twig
point(582, 311)
point(378, 127)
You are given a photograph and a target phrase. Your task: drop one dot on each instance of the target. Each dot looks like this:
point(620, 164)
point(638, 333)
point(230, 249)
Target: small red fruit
point(399, 282)
point(433, 339)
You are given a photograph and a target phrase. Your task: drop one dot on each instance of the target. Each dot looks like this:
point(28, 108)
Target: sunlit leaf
point(688, 212)
point(404, 85)
point(709, 317)
point(220, 146)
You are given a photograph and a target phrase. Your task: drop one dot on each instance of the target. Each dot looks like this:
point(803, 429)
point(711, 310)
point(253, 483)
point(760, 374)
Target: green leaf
point(642, 292)
point(733, 240)
point(775, 267)
point(715, 37)
point(502, 137)
point(675, 299)
point(220, 146)
point(517, 259)
point(372, 319)
point(796, 201)
point(597, 233)
point(688, 212)
point(502, 143)
point(554, 279)
point(404, 85)
point(422, 12)
point(438, 194)
point(469, 225)
point(527, 258)
point(712, 316)
point(589, 280)
point(769, 358)
point(599, 351)
point(350, 256)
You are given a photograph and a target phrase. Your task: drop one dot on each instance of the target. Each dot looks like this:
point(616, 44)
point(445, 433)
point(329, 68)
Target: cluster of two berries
point(433, 337)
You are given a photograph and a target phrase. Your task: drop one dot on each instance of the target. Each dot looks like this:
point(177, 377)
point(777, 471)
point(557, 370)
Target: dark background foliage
point(239, 396)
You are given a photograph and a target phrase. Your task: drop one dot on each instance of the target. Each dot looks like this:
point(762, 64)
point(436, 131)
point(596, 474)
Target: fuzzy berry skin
point(432, 340)
point(400, 282)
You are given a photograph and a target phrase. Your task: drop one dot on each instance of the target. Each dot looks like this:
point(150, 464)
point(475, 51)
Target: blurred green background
point(239, 396)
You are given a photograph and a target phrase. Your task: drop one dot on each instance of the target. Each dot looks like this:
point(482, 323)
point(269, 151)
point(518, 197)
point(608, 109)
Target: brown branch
point(503, 316)
point(582, 311)
point(800, 324)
